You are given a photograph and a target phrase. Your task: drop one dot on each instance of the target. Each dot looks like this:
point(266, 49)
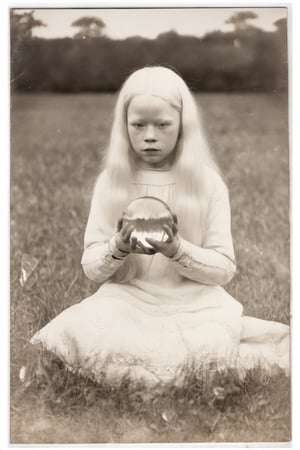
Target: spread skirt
point(122, 330)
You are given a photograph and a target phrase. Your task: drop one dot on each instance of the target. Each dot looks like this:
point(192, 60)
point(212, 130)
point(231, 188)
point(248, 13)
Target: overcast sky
point(121, 23)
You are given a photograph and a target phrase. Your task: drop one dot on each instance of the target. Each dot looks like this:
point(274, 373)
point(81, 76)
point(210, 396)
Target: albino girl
point(160, 307)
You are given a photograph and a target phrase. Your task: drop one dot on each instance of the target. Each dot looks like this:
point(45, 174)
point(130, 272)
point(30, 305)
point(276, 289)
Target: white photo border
point(294, 115)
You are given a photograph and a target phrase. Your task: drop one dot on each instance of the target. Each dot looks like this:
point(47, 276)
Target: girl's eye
point(138, 125)
point(163, 124)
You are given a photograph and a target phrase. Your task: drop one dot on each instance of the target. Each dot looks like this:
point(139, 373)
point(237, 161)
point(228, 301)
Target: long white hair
point(192, 151)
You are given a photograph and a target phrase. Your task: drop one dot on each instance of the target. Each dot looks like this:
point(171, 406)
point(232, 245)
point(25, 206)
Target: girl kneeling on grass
point(160, 305)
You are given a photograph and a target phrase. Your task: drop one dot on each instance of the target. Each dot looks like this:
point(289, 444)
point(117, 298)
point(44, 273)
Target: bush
point(242, 60)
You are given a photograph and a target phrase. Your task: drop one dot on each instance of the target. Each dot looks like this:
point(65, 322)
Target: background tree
point(240, 19)
point(90, 27)
point(21, 25)
point(281, 25)
point(280, 37)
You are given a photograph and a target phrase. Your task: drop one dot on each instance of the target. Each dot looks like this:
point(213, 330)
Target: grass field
point(55, 154)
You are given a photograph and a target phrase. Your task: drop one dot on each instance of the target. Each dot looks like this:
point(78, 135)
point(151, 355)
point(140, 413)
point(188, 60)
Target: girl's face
point(153, 129)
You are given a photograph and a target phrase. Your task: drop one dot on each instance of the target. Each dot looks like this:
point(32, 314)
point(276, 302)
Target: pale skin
point(153, 128)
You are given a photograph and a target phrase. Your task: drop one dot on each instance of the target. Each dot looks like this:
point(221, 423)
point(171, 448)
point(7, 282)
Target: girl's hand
point(171, 245)
point(126, 244)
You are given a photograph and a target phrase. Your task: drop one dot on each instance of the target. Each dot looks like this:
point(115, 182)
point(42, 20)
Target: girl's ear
point(180, 130)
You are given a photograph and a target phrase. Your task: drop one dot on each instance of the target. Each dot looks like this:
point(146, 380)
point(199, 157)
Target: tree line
point(246, 59)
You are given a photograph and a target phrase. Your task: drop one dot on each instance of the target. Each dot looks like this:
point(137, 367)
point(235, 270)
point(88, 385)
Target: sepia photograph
point(150, 226)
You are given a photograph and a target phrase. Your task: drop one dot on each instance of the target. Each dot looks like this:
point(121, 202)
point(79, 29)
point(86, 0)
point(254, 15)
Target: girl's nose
point(150, 140)
point(150, 135)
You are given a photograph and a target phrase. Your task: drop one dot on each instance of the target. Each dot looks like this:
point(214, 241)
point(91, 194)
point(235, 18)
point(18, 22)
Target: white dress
point(170, 314)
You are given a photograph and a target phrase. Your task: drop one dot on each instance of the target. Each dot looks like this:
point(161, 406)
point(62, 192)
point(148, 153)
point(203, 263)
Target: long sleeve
point(214, 263)
point(101, 258)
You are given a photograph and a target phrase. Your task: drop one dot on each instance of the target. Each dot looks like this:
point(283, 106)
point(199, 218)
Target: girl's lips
point(151, 150)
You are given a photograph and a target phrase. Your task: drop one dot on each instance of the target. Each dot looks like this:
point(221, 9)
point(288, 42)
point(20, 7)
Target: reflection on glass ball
point(148, 215)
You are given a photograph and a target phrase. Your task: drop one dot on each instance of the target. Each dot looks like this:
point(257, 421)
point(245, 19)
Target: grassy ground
point(56, 148)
